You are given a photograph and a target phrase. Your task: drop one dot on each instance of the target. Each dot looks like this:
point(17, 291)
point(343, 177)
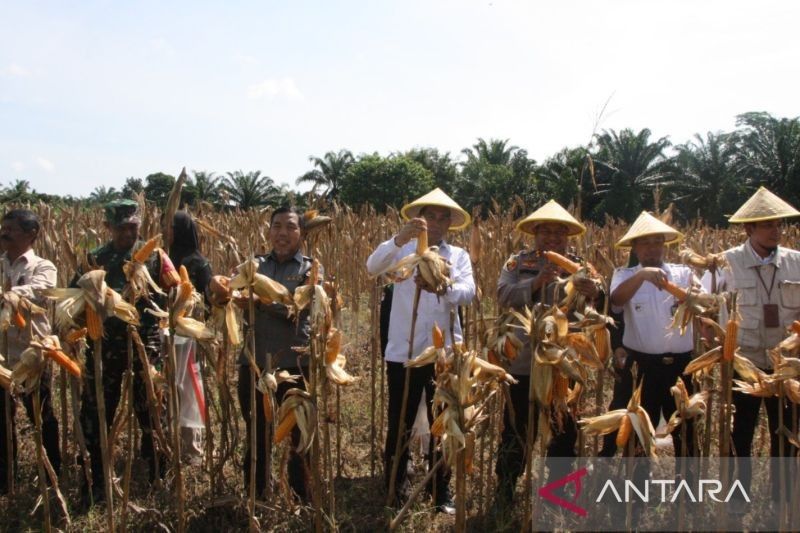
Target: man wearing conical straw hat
point(527, 279)
point(660, 351)
point(766, 279)
point(435, 214)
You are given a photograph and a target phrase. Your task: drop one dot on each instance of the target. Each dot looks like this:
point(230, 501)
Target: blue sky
point(93, 92)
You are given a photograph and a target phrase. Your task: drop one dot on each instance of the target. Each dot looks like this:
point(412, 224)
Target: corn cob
point(602, 343)
point(141, 255)
point(562, 262)
point(333, 347)
point(422, 242)
point(76, 334)
point(286, 426)
point(509, 350)
point(93, 323)
point(731, 333)
point(438, 337)
point(64, 361)
point(674, 290)
point(184, 274)
point(19, 319)
point(624, 433)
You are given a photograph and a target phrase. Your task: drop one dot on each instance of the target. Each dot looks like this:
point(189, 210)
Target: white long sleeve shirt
point(432, 309)
point(648, 314)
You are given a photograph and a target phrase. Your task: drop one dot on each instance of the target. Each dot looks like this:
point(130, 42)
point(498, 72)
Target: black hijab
point(184, 238)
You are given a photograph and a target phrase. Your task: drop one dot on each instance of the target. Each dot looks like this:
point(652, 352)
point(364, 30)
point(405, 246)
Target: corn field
point(350, 425)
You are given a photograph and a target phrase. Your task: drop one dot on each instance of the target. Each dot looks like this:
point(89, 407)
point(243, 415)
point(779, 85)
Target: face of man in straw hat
point(551, 237)
point(650, 250)
point(765, 235)
point(437, 220)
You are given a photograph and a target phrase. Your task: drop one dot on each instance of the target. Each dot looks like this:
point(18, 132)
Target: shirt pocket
point(746, 292)
point(642, 306)
point(749, 333)
point(790, 294)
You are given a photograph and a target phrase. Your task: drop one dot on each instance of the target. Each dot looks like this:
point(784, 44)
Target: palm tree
point(330, 171)
point(629, 167)
point(206, 187)
point(102, 195)
point(769, 153)
point(248, 190)
point(495, 152)
point(705, 184)
point(18, 192)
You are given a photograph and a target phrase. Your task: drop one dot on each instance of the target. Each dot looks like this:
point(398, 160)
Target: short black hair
point(289, 209)
point(27, 219)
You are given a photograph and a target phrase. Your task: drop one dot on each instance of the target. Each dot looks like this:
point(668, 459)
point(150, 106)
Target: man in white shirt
point(435, 213)
point(660, 351)
point(25, 273)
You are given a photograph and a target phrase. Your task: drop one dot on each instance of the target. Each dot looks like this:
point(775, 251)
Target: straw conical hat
point(459, 219)
point(646, 225)
point(763, 205)
point(551, 212)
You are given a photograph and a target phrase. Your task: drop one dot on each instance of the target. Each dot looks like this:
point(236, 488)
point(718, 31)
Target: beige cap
point(763, 205)
point(646, 224)
point(459, 219)
point(550, 212)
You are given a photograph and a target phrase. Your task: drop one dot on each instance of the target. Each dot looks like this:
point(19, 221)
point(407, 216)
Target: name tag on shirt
point(771, 316)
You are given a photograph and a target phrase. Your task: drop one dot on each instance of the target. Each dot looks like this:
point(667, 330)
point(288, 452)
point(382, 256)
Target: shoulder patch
point(511, 263)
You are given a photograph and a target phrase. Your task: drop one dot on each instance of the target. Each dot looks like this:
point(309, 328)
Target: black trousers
point(657, 373)
point(297, 467)
point(511, 454)
point(421, 379)
point(49, 428)
point(115, 365)
point(745, 420)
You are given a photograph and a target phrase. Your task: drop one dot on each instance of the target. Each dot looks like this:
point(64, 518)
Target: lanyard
point(771, 283)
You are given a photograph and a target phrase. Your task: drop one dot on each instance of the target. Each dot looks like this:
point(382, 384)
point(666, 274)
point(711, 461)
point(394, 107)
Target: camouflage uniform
point(115, 362)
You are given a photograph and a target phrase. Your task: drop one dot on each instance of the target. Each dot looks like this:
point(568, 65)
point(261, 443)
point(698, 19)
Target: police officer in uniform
point(527, 279)
point(277, 337)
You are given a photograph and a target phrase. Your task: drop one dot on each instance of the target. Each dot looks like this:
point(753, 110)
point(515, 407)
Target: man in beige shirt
point(25, 273)
point(766, 279)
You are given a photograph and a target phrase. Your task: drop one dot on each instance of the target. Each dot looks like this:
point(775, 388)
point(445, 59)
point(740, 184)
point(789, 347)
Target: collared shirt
point(28, 274)
point(276, 333)
point(648, 314)
point(751, 278)
point(432, 309)
point(515, 289)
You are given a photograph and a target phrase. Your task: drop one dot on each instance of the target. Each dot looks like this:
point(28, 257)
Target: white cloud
point(275, 88)
point(45, 164)
point(15, 71)
point(18, 166)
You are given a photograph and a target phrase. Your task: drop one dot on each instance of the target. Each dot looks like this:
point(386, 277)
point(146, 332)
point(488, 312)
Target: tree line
point(618, 174)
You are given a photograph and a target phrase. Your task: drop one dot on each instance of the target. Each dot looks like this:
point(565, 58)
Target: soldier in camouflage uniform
point(123, 222)
point(527, 279)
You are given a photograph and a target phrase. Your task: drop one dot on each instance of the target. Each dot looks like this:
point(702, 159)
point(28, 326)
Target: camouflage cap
point(121, 212)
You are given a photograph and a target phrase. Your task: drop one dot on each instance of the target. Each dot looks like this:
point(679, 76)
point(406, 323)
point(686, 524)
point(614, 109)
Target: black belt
point(662, 358)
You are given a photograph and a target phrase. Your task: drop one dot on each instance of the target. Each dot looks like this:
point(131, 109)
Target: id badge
point(771, 316)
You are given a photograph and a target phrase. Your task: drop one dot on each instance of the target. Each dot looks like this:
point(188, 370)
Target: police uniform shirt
point(432, 309)
point(277, 333)
point(648, 314)
point(514, 289)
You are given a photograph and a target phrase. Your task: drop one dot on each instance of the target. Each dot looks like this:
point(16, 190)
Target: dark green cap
point(122, 212)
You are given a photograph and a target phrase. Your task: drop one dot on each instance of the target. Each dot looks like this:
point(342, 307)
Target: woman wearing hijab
point(184, 251)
